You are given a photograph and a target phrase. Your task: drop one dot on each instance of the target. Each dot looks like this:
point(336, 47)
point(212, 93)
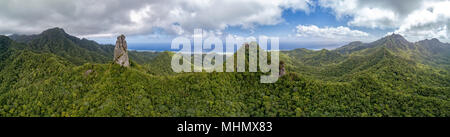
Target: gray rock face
point(88, 72)
point(282, 69)
point(120, 52)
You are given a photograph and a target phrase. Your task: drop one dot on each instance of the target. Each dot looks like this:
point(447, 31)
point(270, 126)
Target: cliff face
point(120, 52)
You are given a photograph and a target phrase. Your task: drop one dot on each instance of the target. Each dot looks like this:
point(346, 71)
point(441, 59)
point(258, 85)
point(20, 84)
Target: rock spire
point(120, 52)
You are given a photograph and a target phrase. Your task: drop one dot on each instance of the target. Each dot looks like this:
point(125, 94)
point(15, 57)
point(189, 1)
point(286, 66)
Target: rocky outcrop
point(88, 72)
point(120, 52)
point(282, 69)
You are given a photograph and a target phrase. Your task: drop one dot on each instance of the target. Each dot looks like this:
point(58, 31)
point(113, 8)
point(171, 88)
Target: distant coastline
point(160, 47)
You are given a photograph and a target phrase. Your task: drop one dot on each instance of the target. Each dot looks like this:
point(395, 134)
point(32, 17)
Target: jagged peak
point(394, 42)
point(50, 31)
point(59, 33)
point(396, 37)
point(433, 45)
point(355, 43)
point(434, 40)
point(55, 30)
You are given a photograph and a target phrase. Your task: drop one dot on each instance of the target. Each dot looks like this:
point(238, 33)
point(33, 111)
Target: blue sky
point(313, 24)
point(322, 17)
point(285, 30)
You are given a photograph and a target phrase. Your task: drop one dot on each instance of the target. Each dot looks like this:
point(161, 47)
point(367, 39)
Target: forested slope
point(378, 80)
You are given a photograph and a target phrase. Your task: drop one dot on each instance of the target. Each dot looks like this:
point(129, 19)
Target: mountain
point(392, 60)
point(394, 42)
point(434, 46)
point(160, 64)
point(76, 50)
point(58, 42)
point(435, 53)
point(44, 75)
point(353, 46)
point(7, 48)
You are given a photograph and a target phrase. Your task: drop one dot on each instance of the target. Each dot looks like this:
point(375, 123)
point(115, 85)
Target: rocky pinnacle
point(120, 52)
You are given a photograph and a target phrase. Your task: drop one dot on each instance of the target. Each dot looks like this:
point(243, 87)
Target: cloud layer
point(331, 33)
point(107, 17)
point(415, 19)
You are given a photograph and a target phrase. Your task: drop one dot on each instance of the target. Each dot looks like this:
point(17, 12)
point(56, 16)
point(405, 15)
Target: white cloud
point(109, 17)
point(432, 21)
point(374, 18)
point(332, 33)
point(372, 14)
point(415, 19)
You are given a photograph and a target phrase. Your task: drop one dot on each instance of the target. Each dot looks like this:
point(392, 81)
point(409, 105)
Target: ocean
point(159, 47)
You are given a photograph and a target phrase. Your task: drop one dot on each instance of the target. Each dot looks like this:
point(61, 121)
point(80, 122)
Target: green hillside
point(388, 77)
point(76, 50)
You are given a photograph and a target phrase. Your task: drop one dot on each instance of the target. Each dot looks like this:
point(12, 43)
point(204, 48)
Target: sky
point(313, 24)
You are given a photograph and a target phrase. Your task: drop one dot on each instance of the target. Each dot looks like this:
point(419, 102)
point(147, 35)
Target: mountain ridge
point(78, 51)
point(384, 80)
